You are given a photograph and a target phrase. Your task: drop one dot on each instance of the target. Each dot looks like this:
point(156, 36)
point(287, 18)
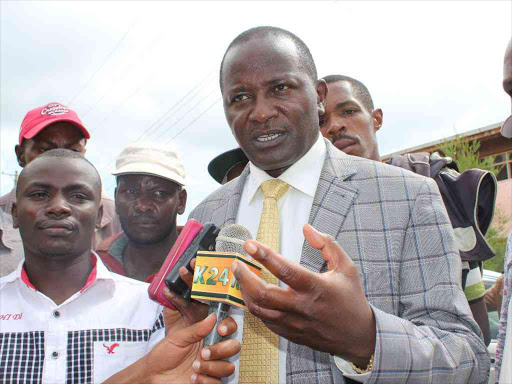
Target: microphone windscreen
point(231, 238)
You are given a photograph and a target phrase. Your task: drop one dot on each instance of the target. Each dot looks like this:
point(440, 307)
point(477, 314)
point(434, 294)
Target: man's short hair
point(61, 153)
point(360, 90)
point(306, 59)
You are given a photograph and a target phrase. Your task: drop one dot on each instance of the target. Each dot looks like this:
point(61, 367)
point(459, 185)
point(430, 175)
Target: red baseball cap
point(39, 118)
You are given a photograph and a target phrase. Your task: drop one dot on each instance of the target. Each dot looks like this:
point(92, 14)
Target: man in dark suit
point(387, 307)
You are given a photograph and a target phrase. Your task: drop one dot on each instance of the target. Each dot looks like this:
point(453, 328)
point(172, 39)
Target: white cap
point(151, 159)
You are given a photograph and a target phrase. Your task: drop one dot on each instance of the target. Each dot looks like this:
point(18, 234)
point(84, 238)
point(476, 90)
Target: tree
point(466, 154)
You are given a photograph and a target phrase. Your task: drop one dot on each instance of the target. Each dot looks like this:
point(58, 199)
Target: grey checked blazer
point(393, 225)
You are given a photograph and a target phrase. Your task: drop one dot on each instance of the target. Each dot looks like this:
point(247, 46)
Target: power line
point(13, 175)
point(162, 119)
point(184, 115)
point(123, 75)
point(153, 127)
point(193, 121)
point(107, 58)
point(180, 132)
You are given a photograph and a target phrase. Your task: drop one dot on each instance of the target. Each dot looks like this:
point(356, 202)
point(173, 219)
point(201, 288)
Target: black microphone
point(231, 238)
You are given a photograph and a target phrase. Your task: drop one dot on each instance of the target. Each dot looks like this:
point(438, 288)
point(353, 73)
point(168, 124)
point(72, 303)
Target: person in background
point(503, 365)
point(150, 193)
point(228, 165)
point(11, 248)
point(351, 123)
point(66, 318)
point(56, 126)
point(494, 296)
point(386, 308)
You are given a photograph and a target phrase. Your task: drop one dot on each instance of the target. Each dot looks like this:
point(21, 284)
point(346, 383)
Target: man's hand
point(327, 312)
point(189, 311)
point(179, 359)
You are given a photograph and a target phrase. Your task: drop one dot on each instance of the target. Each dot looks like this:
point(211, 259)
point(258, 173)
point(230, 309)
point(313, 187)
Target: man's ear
point(100, 216)
point(20, 154)
point(321, 91)
point(14, 213)
point(182, 196)
point(377, 117)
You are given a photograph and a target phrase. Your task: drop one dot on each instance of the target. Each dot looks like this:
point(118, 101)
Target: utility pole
point(13, 175)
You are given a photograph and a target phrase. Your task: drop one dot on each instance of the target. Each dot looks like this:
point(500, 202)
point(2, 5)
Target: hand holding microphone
point(213, 280)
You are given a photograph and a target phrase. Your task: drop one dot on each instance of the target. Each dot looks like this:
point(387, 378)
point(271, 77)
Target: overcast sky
point(148, 71)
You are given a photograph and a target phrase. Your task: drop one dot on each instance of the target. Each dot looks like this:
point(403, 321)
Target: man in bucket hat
point(149, 195)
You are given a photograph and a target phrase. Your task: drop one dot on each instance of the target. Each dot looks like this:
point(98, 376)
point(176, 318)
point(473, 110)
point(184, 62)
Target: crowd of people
point(367, 273)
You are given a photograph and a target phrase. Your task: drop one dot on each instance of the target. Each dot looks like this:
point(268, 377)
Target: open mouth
point(269, 137)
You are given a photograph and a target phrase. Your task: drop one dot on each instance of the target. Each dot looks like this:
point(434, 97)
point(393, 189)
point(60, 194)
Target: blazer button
point(56, 314)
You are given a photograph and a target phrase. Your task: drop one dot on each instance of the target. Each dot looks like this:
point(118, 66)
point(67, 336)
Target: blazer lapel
point(227, 208)
point(332, 202)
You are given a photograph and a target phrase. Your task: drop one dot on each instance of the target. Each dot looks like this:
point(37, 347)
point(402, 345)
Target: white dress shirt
point(294, 209)
point(106, 326)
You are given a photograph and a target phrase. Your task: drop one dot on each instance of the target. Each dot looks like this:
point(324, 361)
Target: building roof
point(474, 134)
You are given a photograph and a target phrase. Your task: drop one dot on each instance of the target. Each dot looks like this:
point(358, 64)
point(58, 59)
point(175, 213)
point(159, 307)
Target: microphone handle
point(222, 312)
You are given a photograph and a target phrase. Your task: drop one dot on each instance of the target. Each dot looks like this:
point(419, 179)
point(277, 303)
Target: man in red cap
point(56, 126)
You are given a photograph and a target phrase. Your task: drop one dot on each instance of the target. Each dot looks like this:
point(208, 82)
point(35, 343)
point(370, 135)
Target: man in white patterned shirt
point(64, 317)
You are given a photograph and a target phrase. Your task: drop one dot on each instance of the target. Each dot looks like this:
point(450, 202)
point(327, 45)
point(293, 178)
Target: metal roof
point(440, 141)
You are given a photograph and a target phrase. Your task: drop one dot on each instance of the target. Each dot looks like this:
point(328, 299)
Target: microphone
point(221, 289)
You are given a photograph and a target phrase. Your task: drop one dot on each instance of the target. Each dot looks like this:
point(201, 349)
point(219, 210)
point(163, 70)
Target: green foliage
point(498, 242)
point(466, 154)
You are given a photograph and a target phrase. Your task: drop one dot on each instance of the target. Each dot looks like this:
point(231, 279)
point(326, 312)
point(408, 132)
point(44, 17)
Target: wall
point(504, 202)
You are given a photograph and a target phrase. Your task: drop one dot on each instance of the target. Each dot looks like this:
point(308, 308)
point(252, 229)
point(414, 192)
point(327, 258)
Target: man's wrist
point(361, 370)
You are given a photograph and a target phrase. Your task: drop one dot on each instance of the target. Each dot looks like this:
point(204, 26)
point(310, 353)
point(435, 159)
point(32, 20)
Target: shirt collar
point(302, 176)
point(99, 272)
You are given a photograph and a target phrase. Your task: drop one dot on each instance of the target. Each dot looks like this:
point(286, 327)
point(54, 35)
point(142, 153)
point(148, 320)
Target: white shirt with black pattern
point(105, 327)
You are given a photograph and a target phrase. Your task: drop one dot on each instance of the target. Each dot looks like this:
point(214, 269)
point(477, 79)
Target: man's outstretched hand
point(325, 311)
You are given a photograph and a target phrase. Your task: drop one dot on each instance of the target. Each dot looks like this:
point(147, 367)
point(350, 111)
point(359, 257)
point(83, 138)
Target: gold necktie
point(259, 358)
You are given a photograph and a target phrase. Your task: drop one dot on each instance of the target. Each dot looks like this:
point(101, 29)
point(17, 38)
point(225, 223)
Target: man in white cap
point(150, 194)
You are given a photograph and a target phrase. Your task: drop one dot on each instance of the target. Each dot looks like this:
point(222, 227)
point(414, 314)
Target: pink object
point(187, 235)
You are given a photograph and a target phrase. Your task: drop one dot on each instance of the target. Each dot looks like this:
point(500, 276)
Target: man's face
point(348, 124)
point(147, 207)
point(59, 135)
point(58, 207)
point(270, 102)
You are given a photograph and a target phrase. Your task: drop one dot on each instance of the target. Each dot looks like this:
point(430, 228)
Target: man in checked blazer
point(372, 294)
